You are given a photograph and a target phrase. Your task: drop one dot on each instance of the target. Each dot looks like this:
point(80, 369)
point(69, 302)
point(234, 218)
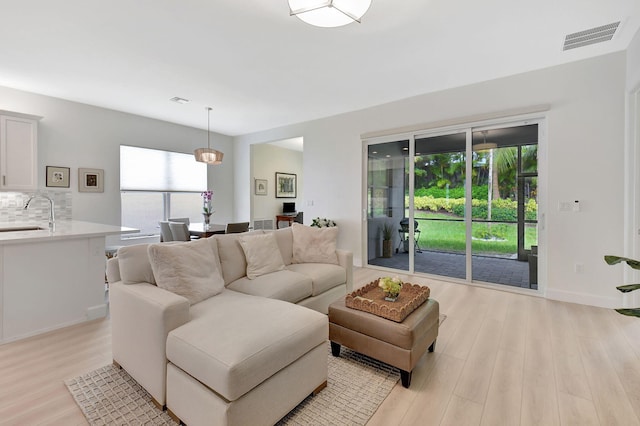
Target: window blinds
point(144, 169)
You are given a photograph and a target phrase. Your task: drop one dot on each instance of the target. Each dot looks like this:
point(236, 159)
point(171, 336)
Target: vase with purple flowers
point(206, 207)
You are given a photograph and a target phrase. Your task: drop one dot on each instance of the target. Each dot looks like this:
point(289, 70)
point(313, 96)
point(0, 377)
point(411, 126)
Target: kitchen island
point(51, 278)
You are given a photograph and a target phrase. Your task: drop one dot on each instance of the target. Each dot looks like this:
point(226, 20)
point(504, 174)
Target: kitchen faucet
point(51, 208)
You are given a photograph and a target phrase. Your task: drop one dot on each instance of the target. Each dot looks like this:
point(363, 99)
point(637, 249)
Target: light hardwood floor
point(501, 359)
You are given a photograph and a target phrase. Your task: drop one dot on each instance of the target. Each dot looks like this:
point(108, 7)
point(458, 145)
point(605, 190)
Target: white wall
point(633, 63)
point(76, 135)
point(632, 167)
point(584, 157)
point(266, 160)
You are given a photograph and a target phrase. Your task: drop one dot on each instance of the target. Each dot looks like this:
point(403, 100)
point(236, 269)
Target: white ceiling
point(259, 68)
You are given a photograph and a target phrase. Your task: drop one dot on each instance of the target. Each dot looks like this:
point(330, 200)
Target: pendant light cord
point(208, 126)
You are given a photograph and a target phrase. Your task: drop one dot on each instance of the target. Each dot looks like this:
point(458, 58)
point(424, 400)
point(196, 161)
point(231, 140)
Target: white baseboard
point(95, 312)
point(583, 298)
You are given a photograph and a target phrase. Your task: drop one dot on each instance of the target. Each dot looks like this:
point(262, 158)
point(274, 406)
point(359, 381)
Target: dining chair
point(180, 219)
point(235, 228)
point(180, 231)
point(165, 232)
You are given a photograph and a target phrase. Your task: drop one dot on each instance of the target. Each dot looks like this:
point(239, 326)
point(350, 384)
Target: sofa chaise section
point(272, 350)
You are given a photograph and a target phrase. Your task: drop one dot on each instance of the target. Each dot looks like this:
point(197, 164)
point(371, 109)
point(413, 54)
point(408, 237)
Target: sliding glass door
point(387, 171)
point(460, 203)
point(439, 204)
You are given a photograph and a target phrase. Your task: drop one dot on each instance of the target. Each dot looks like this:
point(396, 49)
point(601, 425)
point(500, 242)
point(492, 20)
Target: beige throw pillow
point(190, 269)
point(134, 264)
point(314, 245)
point(262, 254)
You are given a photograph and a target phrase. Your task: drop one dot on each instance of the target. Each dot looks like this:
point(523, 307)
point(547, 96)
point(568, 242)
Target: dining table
point(198, 229)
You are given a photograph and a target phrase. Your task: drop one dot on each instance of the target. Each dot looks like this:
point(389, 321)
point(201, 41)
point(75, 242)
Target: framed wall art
point(261, 187)
point(90, 180)
point(58, 177)
point(286, 185)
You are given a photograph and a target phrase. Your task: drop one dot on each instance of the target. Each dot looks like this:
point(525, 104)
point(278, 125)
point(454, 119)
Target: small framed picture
point(90, 180)
point(58, 177)
point(261, 187)
point(286, 185)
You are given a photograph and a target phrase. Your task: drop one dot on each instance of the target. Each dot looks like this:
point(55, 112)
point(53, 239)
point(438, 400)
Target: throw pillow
point(262, 254)
point(314, 245)
point(190, 269)
point(134, 264)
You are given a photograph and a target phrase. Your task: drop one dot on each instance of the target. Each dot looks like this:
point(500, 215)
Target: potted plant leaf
point(387, 243)
point(635, 264)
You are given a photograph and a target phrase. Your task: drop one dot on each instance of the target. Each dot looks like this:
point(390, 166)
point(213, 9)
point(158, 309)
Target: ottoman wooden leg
point(433, 346)
point(405, 377)
point(335, 349)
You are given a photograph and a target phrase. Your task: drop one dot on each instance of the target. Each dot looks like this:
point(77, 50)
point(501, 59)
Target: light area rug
point(356, 386)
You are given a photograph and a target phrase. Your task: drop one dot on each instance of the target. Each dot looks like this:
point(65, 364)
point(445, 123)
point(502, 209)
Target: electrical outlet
point(578, 268)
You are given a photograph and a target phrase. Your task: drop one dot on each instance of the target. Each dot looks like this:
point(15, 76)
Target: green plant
point(491, 232)
point(613, 260)
point(387, 231)
point(323, 223)
point(390, 286)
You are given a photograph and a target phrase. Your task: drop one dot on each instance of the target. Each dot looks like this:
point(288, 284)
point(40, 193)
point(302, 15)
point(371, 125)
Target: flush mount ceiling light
point(208, 155)
point(329, 13)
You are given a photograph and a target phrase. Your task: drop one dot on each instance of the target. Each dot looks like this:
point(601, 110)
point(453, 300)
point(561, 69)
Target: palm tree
point(505, 160)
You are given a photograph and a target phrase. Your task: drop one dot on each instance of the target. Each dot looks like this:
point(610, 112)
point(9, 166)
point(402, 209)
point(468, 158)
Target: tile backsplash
point(12, 206)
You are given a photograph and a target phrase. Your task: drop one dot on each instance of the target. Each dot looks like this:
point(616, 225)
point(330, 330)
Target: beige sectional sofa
point(245, 353)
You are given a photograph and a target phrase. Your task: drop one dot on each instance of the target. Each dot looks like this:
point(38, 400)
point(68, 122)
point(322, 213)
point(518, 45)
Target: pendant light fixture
point(484, 146)
point(208, 155)
point(329, 13)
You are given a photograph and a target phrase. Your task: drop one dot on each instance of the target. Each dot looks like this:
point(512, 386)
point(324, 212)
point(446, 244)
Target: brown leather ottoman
point(398, 344)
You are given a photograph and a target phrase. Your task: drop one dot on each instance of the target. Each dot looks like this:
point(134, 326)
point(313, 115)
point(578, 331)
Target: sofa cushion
point(314, 245)
point(323, 276)
point(282, 285)
point(232, 259)
point(262, 254)
point(284, 237)
point(190, 269)
point(235, 341)
point(134, 265)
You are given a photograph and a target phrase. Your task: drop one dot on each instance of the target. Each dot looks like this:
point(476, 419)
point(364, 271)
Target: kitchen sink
point(21, 228)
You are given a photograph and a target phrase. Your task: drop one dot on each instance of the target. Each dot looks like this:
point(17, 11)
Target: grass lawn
point(449, 235)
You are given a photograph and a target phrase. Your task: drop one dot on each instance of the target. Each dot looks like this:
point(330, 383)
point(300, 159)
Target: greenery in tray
point(635, 264)
point(391, 286)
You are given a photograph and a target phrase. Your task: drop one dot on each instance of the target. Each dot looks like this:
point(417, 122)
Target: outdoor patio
point(496, 270)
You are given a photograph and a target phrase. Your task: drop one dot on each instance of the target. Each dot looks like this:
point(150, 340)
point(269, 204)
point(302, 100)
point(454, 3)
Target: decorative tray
point(370, 298)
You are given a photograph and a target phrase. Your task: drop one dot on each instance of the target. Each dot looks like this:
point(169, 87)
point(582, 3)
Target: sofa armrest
point(345, 259)
point(142, 315)
point(113, 270)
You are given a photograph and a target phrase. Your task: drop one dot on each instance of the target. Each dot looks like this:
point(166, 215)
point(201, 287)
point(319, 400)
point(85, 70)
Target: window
point(156, 185)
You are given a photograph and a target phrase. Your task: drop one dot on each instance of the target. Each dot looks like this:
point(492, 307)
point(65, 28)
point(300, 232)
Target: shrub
point(477, 192)
point(488, 232)
point(501, 209)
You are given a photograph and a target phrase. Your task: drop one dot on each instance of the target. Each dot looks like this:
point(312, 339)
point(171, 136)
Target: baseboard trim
point(95, 312)
point(583, 298)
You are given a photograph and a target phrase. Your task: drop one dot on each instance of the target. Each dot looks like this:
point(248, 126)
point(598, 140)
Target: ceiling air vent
point(592, 36)
point(179, 100)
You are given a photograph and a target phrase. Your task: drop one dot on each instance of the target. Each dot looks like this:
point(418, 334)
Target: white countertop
point(67, 229)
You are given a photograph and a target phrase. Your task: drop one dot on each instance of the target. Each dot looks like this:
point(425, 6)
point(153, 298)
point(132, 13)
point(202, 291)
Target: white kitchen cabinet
point(18, 152)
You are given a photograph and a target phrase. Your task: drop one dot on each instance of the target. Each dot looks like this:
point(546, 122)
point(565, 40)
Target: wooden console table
point(284, 218)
